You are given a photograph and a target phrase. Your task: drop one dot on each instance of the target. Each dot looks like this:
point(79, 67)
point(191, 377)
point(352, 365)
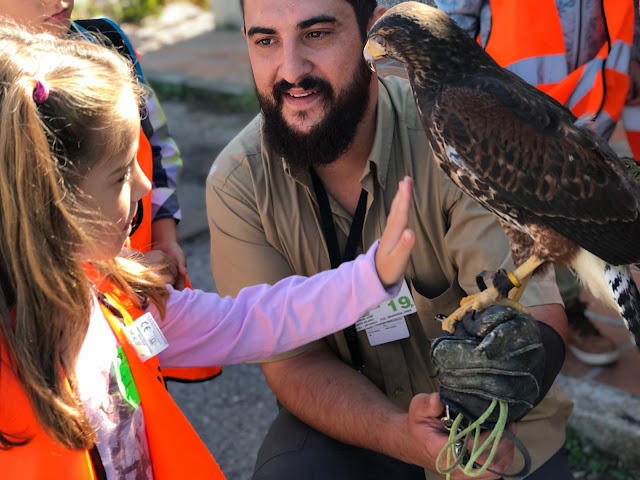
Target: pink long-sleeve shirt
point(204, 329)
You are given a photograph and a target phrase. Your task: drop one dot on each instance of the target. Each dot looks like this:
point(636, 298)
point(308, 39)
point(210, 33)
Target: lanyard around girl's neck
point(331, 238)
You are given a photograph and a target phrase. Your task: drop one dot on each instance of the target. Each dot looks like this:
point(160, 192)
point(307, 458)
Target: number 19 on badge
point(402, 303)
point(386, 322)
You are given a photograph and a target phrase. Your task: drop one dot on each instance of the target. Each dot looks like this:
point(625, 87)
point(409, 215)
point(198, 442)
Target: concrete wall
point(227, 13)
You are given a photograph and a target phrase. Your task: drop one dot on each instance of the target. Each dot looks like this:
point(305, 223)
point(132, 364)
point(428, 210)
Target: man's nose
point(295, 63)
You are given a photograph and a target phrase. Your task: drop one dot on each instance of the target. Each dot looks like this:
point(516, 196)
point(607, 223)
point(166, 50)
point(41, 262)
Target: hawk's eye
point(379, 39)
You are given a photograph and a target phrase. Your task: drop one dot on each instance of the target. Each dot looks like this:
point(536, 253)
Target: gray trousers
point(294, 451)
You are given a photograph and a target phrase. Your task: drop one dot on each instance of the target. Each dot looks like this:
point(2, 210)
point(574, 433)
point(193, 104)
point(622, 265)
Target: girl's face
point(115, 185)
point(48, 16)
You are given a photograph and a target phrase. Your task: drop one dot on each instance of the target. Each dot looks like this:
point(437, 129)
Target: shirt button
point(399, 391)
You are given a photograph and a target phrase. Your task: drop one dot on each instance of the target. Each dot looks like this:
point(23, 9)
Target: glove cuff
point(554, 357)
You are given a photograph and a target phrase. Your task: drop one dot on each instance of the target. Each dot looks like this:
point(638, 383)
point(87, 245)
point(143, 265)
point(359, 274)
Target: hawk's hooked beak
point(373, 50)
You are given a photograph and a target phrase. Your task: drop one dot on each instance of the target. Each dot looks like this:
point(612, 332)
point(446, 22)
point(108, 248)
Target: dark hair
point(363, 9)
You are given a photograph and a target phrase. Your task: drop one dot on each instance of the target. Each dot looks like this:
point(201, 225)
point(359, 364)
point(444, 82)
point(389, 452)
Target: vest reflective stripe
point(617, 65)
point(534, 52)
point(605, 124)
point(546, 69)
point(631, 117)
point(542, 69)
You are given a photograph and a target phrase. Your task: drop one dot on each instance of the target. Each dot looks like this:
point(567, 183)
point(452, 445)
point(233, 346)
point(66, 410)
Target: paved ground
point(232, 412)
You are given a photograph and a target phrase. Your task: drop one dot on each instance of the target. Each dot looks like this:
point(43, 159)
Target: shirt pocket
point(443, 304)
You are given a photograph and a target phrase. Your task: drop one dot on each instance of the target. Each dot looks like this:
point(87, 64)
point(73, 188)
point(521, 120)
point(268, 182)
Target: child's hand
point(392, 256)
point(175, 253)
point(165, 239)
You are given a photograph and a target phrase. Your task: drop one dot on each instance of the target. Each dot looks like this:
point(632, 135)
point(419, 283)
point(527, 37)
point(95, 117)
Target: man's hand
point(428, 437)
point(392, 256)
point(165, 238)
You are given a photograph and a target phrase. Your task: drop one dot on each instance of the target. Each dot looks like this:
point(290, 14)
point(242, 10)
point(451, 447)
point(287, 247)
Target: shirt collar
point(385, 127)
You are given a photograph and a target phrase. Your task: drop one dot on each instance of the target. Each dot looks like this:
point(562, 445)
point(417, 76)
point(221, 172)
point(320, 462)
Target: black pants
point(294, 451)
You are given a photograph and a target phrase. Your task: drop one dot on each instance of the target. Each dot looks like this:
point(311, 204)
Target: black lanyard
point(355, 235)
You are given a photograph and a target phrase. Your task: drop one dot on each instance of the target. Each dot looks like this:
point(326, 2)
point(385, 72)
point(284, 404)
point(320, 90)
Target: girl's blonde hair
point(45, 149)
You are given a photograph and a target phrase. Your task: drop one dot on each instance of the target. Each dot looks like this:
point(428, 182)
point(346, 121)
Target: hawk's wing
point(536, 160)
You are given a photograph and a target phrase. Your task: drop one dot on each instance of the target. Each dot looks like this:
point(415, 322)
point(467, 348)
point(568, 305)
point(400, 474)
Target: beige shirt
point(265, 225)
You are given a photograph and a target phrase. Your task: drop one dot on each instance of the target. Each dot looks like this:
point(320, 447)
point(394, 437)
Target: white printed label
point(146, 337)
point(386, 322)
point(388, 332)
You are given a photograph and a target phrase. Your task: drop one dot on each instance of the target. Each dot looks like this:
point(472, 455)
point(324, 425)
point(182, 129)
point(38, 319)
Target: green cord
point(465, 436)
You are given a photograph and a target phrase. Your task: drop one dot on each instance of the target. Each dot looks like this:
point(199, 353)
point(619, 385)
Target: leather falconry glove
point(498, 353)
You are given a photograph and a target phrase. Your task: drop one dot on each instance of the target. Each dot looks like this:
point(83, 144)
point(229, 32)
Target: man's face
point(304, 55)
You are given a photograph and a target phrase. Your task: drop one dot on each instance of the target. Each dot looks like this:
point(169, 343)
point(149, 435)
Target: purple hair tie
point(41, 91)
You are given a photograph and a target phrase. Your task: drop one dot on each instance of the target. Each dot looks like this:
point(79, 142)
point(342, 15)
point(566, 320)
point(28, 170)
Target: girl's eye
point(126, 176)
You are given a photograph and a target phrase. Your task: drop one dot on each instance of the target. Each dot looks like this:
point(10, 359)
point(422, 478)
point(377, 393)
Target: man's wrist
point(555, 352)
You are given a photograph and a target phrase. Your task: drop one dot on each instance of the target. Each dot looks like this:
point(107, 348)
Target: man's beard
point(330, 137)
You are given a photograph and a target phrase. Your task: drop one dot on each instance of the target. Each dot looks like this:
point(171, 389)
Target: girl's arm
point(204, 329)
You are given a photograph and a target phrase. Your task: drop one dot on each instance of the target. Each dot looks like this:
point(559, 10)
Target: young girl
point(80, 348)
point(158, 154)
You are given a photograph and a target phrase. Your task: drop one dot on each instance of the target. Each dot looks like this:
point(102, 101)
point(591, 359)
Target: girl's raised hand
point(392, 256)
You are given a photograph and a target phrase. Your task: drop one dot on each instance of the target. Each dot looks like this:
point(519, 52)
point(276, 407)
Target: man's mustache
point(307, 83)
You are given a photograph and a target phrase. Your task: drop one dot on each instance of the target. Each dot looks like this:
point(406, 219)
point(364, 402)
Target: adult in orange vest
point(581, 53)
point(585, 55)
point(81, 354)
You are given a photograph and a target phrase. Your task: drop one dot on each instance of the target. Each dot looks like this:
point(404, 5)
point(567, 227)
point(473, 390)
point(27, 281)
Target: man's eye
point(265, 42)
point(317, 35)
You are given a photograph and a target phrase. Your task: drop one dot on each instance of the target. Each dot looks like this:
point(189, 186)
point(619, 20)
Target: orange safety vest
point(176, 449)
point(526, 38)
point(140, 240)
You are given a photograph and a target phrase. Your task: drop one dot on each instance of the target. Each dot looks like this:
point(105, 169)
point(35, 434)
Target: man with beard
point(308, 184)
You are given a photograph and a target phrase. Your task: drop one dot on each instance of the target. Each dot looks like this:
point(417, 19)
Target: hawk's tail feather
point(613, 285)
point(627, 297)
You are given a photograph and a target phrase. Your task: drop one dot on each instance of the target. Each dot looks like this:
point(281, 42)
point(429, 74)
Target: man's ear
point(244, 32)
point(377, 13)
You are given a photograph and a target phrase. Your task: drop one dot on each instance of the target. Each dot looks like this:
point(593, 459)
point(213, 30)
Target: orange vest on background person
point(175, 448)
point(140, 240)
point(526, 38)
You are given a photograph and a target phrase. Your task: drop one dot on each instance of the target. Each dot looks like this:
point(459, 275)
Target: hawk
point(558, 189)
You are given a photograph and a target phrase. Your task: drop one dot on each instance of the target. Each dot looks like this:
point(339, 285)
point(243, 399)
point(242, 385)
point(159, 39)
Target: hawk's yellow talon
point(478, 302)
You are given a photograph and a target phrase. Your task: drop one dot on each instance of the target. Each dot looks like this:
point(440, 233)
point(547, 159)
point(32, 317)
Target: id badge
point(146, 337)
point(386, 322)
point(124, 379)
